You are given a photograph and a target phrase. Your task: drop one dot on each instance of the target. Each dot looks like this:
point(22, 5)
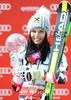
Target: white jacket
point(60, 76)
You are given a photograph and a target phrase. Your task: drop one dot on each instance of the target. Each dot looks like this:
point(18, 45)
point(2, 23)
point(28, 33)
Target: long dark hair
point(44, 48)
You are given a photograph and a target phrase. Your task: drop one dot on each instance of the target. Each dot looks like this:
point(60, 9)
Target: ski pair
point(61, 33)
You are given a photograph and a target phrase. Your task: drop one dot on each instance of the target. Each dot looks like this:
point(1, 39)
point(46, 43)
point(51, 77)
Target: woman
point(31, 82)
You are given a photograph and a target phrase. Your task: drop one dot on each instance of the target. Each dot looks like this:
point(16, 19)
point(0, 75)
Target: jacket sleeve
point(61, 75)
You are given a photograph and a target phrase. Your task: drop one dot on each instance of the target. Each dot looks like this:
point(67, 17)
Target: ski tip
point(64, 6)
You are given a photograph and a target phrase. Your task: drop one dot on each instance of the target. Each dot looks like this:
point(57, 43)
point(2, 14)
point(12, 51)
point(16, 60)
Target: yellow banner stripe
point(53, 61)
point(64, 6)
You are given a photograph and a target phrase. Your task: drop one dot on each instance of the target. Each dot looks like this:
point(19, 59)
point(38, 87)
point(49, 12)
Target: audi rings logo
point(4, 6)
point(65, 49)
point(24, 28)
point(52, 29)
point(5, 70)
point(5, 27)
point(53, 8)
point(3, 49)
point(5, 92)
point(61, 92)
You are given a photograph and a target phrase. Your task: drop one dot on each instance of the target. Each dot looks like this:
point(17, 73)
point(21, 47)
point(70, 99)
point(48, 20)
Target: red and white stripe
point(50, 77)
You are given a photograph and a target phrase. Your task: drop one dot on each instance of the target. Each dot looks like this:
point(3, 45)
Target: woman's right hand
point(16, 83)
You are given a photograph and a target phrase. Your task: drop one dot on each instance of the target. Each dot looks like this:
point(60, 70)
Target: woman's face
point(37, 35)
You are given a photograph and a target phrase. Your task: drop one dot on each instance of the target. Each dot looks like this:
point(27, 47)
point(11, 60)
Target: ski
point(61, 33)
